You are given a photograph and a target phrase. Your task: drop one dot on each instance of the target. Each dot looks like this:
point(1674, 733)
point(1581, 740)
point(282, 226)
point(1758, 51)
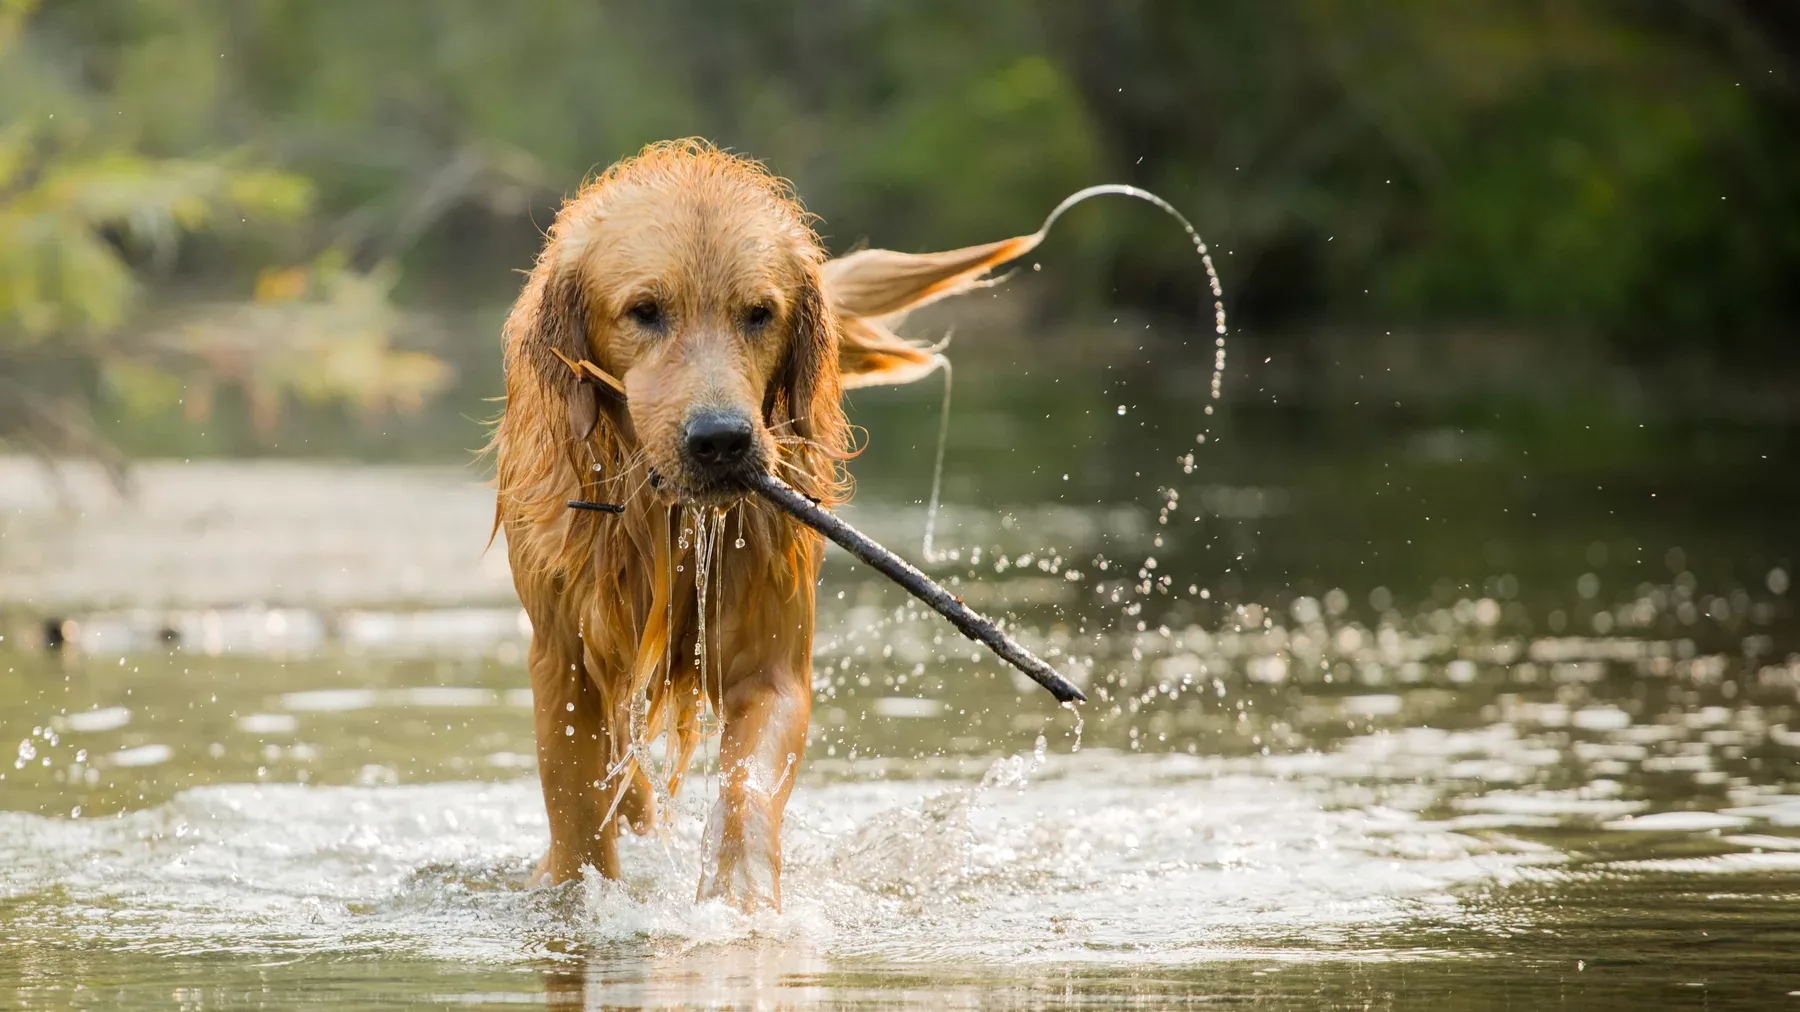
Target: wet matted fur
point(694, 276)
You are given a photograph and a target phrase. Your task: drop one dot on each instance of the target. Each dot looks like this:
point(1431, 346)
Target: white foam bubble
point(107, 719)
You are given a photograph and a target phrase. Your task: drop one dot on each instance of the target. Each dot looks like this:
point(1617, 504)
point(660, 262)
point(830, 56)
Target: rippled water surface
point(1561, 769)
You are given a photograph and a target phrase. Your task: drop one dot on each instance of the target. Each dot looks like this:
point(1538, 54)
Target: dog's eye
point(646, 313)
point(757, 317)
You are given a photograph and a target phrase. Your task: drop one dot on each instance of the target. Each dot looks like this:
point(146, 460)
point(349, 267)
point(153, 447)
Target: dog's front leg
point(759, 758)
point(570, 725)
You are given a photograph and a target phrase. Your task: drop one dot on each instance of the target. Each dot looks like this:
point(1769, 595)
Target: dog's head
point(694, 276)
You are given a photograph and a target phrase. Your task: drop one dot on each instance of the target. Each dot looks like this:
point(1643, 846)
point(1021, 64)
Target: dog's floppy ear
point(872, 290)
point(807, 396)
point(550, 329)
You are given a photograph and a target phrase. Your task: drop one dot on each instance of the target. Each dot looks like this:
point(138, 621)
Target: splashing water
point(1215, 390)
point(1080, 724)
point(1349, 797)
point(915, 869)
point(1212, 273)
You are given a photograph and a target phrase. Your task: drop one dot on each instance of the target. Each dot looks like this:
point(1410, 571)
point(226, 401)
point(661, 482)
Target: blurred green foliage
point(1620, 173)
point(89, 205)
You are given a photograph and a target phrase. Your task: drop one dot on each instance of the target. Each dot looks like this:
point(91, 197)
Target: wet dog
point(694, 278)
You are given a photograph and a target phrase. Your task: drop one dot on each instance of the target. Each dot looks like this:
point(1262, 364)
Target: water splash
point(1214, 286)
point(1212, 274)
point(1216, 386)
point(1080, 724)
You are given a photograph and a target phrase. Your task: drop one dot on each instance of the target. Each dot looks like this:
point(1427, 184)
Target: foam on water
point(1103, 859)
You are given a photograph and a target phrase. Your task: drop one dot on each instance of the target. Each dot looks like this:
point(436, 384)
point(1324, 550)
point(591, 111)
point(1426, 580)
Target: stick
point(585, 370)
point(784, 498)
point(804, 509)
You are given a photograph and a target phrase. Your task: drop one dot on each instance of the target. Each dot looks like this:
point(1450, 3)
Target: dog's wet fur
point(694, 277)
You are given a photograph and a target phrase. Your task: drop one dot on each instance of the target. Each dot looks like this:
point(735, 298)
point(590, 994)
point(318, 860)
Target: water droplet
point(1121, 409)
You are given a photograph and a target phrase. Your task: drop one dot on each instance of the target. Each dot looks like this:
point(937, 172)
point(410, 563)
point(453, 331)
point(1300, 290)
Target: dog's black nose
point(718, 440)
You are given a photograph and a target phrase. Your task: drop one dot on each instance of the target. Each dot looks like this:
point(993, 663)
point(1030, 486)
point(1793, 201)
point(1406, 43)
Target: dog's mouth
point(708, 486)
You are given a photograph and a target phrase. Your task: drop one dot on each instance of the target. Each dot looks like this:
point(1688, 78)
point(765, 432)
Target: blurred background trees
point(267, 206)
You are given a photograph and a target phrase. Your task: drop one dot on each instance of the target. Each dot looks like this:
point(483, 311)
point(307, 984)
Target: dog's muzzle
point(719, 446)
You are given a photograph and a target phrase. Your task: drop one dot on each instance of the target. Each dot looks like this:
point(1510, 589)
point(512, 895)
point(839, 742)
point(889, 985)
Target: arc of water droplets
point(1212, 273)
point(1213, 284)
point(1126, 190)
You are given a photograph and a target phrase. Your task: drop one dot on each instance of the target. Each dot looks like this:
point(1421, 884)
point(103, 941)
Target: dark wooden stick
point(786, 499)
point(806, 510)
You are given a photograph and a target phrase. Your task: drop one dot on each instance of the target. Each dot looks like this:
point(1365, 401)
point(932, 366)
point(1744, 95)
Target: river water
point(1435, 727)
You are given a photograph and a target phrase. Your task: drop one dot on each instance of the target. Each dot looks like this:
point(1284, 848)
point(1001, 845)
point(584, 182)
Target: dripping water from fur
point(708, 525)
point(937, 467)
point(671, 776)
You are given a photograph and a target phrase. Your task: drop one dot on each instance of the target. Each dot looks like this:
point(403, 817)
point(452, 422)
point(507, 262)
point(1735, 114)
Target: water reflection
point(754, 974)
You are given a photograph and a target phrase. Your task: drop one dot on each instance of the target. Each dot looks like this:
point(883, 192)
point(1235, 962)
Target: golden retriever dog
point(683, 328)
